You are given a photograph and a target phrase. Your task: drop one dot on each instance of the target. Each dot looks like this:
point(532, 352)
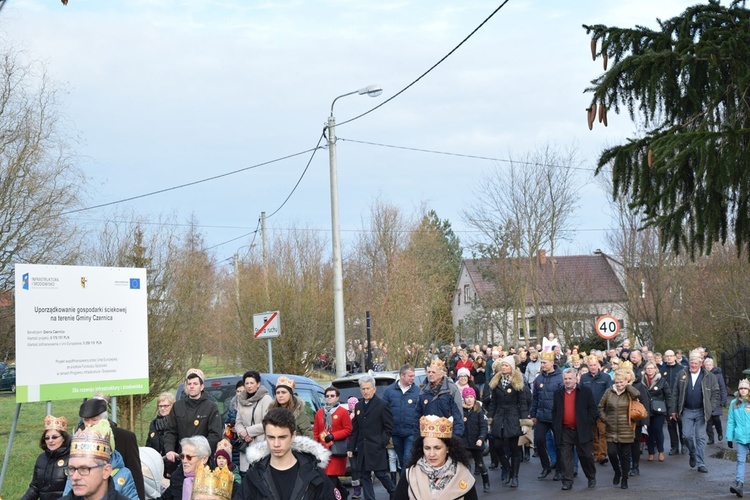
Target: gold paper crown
point(93, 442)
point(626, 365)
point(744, 383)
point(438, 365)
point(548, 356)
point(52, 423)
point(217, 482)
point(434, 426)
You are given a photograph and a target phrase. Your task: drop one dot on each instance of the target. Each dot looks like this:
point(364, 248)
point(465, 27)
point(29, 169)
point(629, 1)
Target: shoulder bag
point(338, 448)
point(658, 407)
point(637, 412)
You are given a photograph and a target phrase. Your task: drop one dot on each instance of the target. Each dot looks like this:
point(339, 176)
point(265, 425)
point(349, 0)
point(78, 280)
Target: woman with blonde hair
point(614, 411)
point(660, 402)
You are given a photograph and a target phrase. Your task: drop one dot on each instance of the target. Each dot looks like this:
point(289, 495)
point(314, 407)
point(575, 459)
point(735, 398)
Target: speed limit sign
point(607, 327)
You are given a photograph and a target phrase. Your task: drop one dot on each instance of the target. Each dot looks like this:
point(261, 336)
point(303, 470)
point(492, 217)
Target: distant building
point(516, 301)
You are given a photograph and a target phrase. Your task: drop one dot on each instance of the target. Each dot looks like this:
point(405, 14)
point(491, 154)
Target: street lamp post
point(338, 270)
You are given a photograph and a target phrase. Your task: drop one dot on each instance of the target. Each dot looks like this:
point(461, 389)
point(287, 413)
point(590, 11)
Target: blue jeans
point(742, 451)
point(403, 446)
point(551, 448)
point(694, 430)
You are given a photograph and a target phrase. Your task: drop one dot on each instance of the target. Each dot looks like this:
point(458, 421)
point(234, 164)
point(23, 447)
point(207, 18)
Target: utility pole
point(265, 254)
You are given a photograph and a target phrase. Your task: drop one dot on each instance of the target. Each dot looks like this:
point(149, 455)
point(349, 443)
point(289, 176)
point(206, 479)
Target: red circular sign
point(607, 327)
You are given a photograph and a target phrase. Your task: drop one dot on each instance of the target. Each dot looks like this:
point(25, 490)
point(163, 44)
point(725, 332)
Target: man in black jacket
point(195, 415)
point(669, 370)
point(372, 427)
point(285, 466)
point(573, 415)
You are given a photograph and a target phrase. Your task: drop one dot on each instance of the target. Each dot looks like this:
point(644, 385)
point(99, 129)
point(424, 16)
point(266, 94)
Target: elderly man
point(439, 398)
point(92, 411)
point(372, 427)
point(544, 387)
point(195, 415)
point(574, 415)
point(89, 469)
point(402, 397)
point(598, 382)
point(696, 395)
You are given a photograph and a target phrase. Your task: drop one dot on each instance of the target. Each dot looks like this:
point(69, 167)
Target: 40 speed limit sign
point(607, 327)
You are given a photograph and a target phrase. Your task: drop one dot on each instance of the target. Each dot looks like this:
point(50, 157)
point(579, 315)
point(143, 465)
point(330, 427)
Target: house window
point(466, 294)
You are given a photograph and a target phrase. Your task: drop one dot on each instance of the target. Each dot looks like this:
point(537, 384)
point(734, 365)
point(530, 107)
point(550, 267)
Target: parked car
point(348, 385)
point(3, 367)
point(220, 390)
point(8, 380)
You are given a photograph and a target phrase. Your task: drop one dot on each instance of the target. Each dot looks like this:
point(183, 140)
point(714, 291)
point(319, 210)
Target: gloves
point(730, 444)
point(329, 438)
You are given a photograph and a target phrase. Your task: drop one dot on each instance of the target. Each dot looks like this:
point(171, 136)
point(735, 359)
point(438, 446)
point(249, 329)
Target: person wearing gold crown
point(89, 469)
point(738, 433)
point(48, 481)
point(214, 484)
point(439, 467)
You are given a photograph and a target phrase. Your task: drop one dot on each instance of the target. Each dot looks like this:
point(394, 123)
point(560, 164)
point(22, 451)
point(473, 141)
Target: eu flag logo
point(25, 279)
point(135, 283)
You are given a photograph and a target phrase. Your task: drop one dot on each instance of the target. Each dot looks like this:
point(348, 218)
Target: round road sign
point(607, 327)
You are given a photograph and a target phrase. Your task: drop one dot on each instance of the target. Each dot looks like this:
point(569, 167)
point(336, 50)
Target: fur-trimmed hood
point(516, 380)
point(301, 444)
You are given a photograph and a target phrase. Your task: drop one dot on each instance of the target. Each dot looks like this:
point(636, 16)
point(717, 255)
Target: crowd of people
point(569, 408)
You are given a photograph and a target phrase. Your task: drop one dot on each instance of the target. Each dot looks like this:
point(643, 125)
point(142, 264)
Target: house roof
point(561, 279)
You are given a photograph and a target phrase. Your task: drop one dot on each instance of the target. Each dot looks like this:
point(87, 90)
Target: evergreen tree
point(687, 85)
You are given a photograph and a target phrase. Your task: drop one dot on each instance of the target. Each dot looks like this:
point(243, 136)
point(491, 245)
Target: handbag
point(658, 407)
point(338, 448)
point(636, 411)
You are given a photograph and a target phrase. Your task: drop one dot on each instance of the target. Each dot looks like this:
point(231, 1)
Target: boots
point(737, 488)
point(624, 483)
point(486, 481)
point(526, 453)
point(515, 466)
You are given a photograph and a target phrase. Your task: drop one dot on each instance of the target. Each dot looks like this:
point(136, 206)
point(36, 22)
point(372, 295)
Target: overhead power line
point(475, 157)
point(180, 186)
point(446, 56)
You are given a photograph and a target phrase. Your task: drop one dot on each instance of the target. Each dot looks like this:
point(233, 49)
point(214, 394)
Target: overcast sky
point(165, 92)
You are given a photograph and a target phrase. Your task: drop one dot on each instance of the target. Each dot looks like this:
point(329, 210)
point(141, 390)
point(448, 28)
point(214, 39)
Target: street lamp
point(338, 270)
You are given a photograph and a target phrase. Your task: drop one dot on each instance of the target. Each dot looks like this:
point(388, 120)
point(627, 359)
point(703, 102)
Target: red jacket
point(341, 428)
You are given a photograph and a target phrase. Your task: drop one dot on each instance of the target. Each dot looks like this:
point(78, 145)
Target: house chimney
point(541, 257)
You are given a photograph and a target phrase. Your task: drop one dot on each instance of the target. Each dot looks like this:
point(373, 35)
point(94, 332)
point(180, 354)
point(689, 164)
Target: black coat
point(475, 426)
point(193, 417)
point(311, 484)
point(127, 444)
point(586, 413)
point(659, 392)
point(156, 431)
point(48, 481)
point(507, 407)
point(372, 428)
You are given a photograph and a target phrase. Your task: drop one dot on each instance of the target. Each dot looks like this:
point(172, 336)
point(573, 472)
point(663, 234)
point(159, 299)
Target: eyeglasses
point(189, 458)
point(50, 438)
point(330, 395)
point(84, 471)
point(163, 406)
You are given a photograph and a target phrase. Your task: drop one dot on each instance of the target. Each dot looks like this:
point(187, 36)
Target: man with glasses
point(195, 415)
point(89, 467)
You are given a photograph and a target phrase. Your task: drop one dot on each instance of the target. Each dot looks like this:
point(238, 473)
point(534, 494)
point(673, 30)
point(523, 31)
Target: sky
point(160, 93)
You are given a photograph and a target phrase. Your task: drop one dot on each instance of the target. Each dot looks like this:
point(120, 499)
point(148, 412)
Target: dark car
point(220, 390)
point(8, 380)
point(349, 384)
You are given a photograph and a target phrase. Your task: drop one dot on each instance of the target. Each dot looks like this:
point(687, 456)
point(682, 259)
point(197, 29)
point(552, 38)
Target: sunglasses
point(189, 458)
point(50, 438)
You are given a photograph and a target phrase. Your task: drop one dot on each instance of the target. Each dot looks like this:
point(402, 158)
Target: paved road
point(671, 479)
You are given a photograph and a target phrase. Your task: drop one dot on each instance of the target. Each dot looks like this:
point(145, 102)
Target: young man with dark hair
point(285, 465)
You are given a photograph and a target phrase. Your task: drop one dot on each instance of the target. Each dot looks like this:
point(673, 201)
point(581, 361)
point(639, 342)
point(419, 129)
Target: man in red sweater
point(573, 416)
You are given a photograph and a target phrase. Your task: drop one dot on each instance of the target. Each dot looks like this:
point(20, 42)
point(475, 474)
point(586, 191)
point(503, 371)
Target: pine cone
point(593, 49)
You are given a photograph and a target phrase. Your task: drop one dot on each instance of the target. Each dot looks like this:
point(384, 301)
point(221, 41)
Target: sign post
point(267, 325)
point(607, 327)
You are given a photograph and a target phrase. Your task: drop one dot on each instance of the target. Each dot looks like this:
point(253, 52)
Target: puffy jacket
point(440, 401)
point(709, 391)
point(181, 422)
point(250, 412)
point(738, 421)
point(543, 394)
point(404, 408)
point(48, 481)
point(614, 411)
point(598, 384)
point(507, 406)
point(475, 426)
